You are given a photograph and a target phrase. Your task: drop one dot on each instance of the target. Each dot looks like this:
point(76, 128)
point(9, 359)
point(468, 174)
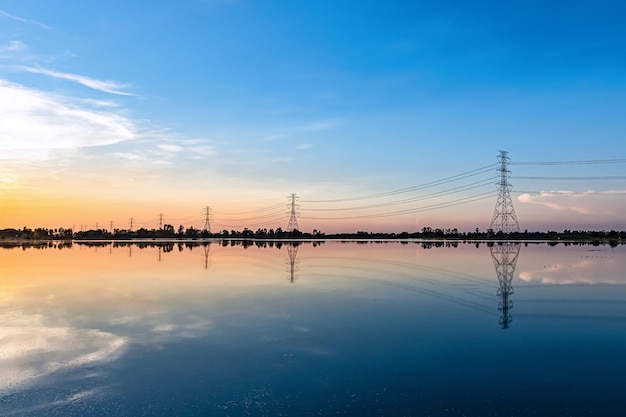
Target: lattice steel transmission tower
point(293, 216)
point(208, 216)
point(504, 257)
point(504, 218)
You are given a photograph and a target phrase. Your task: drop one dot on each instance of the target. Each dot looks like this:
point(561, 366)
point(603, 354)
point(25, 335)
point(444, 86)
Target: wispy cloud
point(587, 203)
point(23, 20)
point(99, 103)
point(168, 147)
point(13, 46)
point(107, 86)
point(283, 159)
point(321, 125)
point(131, 156)
point(304, 146)
point(275, 137)
point(35, 122)
point(51, 349)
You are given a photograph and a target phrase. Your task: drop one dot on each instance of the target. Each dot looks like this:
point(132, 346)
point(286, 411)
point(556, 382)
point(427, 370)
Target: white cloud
point(107, 86)
point(131, 156)
point(275, 137)
point(305, 146)
point(35, 122)
point(23, 20)
point(99, 103)
point(202, 151)
point(585, 203)
point(283, 159)
point(13, 46)
point(170, 148)
point(321, 125)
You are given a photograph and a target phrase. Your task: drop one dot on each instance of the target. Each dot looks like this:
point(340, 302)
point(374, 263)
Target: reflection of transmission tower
point(208, 216)
point(504, 257)
point(293, 216)
point(292, 252)
point(504, 218)
point(207, 255)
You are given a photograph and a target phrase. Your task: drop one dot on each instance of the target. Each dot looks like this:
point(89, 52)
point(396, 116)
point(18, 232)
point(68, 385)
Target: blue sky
point(135, 108)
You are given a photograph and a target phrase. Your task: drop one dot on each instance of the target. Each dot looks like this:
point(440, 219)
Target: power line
point(265, 216)
point(219, 225)
point(249, 211)
point(449, 191)
point(451, 203)
point(587, 162)
point(614, 177)
point(594, 194)
point(446, 180)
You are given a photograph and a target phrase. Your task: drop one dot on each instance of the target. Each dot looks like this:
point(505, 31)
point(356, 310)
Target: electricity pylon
point(208, 216)
point(504, 257)
point(504, 218)
point(293, 215)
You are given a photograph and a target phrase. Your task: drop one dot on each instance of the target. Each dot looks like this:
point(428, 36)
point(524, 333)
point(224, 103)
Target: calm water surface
point(348, 329)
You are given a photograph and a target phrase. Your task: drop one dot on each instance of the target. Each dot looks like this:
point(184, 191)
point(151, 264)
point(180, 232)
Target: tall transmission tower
point(208, 216)
point(504, 218)
point(293, 215)
point(160, 221)
point(504, 257)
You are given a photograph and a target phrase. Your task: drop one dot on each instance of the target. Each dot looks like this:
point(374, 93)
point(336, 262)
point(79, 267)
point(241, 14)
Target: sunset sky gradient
point(117, 109)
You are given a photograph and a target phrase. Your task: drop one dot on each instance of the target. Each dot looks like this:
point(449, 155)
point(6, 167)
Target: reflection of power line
point(421, 289)
point(504, 257)
point(292, 252)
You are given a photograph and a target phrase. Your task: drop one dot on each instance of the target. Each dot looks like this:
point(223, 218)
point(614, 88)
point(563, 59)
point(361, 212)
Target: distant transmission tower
point(504, 218)
point(208, 216)
point(293, 216)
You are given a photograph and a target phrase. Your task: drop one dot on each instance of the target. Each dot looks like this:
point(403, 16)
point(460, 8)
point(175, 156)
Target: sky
point(117, 110)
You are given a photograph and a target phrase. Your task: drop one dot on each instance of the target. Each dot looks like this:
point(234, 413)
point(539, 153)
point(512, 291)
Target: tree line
point(170, 232)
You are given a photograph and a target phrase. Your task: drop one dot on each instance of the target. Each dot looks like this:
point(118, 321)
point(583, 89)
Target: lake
point(313, 329)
